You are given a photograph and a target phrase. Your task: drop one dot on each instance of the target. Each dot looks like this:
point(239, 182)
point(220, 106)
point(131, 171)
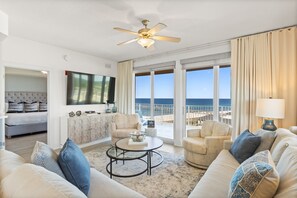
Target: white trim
point(155, 67)
point(216, 87)
point(152, 93)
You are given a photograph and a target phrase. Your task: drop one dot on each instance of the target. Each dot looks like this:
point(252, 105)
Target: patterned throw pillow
point(46, 157)
point(256, 177)
point(14, 107)
point(31, 107)
point(42, 106)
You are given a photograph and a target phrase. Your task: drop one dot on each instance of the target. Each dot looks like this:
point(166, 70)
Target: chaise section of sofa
point(216, 180)
point(20, 179)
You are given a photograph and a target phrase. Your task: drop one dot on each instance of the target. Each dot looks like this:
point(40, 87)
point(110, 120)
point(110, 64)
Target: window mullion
point(152, 94)
point(216, 93)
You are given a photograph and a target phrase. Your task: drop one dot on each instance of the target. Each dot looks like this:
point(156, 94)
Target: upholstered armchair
point(123, 125)
point(201, 146)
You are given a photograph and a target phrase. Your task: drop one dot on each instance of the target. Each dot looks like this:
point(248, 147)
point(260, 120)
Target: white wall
point(25, 83)
point(27, 54)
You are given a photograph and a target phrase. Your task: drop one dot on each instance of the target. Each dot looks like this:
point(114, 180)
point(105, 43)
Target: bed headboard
point(23, 96)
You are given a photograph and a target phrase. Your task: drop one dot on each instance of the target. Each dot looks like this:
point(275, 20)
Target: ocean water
point(164, 106)
point(199, 102)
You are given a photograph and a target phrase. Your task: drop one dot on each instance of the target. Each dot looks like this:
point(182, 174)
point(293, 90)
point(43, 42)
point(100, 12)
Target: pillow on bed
point(42, 106)
point(31, 107)
point(14, 107)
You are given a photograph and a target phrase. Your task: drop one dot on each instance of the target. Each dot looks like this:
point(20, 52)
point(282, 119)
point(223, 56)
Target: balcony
point(195, 116)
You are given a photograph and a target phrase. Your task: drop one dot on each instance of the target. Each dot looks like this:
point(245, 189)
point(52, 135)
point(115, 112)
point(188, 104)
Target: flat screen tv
point(85, 88)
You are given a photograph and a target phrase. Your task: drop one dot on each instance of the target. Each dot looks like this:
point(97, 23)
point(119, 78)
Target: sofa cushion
point(267, 139)
point(220, 129)
point(282, 145)
point(215, 181)
point(195, 144)
point(207, 127)
point(46, 157)
point(29, 180)
point(75, 166)
point(106, 187)
point(244, 146)
point(9, 162)
point(253, 177)
point(287, 169)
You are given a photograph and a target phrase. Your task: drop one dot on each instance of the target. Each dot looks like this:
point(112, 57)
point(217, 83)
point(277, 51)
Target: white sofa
point(216, 180)
point(20, 179)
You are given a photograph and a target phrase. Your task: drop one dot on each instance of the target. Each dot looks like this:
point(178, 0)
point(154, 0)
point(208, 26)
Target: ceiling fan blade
point(157, 28)
point(166, 38)
point(124, 30)
point(130, 41)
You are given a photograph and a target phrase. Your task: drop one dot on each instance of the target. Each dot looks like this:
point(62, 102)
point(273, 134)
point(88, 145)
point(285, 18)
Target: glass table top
point(124, 155)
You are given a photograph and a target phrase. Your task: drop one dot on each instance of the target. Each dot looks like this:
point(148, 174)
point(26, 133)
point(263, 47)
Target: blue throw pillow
point(245, 146)
point(75, 166)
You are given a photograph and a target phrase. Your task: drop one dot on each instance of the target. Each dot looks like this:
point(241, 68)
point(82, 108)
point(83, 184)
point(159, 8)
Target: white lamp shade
point(270, 108)
point(145, 42)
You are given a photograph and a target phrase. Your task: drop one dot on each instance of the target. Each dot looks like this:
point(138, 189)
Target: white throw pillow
point(30, 180)
point(46, 157)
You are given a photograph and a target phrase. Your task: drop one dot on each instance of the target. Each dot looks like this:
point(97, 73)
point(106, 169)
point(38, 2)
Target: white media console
point(86, 130)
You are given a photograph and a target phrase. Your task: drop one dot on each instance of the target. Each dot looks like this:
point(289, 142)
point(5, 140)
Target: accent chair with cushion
point(123, 125)
point(202, 146)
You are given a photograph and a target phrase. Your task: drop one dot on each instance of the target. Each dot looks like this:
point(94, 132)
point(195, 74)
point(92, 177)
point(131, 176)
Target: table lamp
point(270, 109)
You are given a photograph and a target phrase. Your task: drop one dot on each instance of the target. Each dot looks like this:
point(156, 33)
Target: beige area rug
point(173, 178)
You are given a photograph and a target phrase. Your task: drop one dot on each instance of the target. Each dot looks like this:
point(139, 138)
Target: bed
point(25, 122)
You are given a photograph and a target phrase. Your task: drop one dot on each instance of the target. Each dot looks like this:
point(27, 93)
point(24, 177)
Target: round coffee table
point(124, 151)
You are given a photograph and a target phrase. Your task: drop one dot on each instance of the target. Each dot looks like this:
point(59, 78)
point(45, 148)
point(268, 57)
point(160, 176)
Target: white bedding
point(26, 118)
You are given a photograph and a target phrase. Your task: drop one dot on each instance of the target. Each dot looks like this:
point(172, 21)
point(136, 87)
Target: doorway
point(26, 101)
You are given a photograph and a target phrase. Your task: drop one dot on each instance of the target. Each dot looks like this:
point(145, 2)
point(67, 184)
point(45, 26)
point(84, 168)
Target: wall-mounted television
point(85, 88)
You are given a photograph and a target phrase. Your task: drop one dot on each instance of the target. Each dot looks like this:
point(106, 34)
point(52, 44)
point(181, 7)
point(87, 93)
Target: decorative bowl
point(137, 136)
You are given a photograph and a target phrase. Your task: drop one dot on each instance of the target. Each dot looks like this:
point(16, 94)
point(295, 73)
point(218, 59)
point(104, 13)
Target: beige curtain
point(263, 65)
point(124, 85)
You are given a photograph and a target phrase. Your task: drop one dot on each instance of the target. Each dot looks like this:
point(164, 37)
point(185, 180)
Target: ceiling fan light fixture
point(145, 42)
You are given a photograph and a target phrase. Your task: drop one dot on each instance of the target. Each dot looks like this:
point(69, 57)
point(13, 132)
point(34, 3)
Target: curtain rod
point(266, 31)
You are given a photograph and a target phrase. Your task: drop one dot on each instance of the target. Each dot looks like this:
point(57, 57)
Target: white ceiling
point(87, 25)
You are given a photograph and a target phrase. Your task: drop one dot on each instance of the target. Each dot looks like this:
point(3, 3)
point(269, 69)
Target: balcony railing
point(195, 114)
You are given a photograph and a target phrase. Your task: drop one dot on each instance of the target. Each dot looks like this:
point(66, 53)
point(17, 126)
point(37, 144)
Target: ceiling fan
point(146, 37)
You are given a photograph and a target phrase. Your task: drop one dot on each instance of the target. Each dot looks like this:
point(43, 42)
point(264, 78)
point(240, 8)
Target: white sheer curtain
point(124, 87)
point(263, 65)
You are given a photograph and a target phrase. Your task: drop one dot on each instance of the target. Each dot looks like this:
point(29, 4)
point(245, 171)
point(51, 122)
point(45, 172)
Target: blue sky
point(199, 84)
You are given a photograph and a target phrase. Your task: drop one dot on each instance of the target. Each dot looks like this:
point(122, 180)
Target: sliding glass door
point(208, 95)
point(143, 96)
point(164, 102)
point(154, 100)
point(199, 96)
point(225, 95)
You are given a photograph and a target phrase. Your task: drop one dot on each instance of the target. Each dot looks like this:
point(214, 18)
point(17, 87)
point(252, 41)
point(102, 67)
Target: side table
point(151, 132)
